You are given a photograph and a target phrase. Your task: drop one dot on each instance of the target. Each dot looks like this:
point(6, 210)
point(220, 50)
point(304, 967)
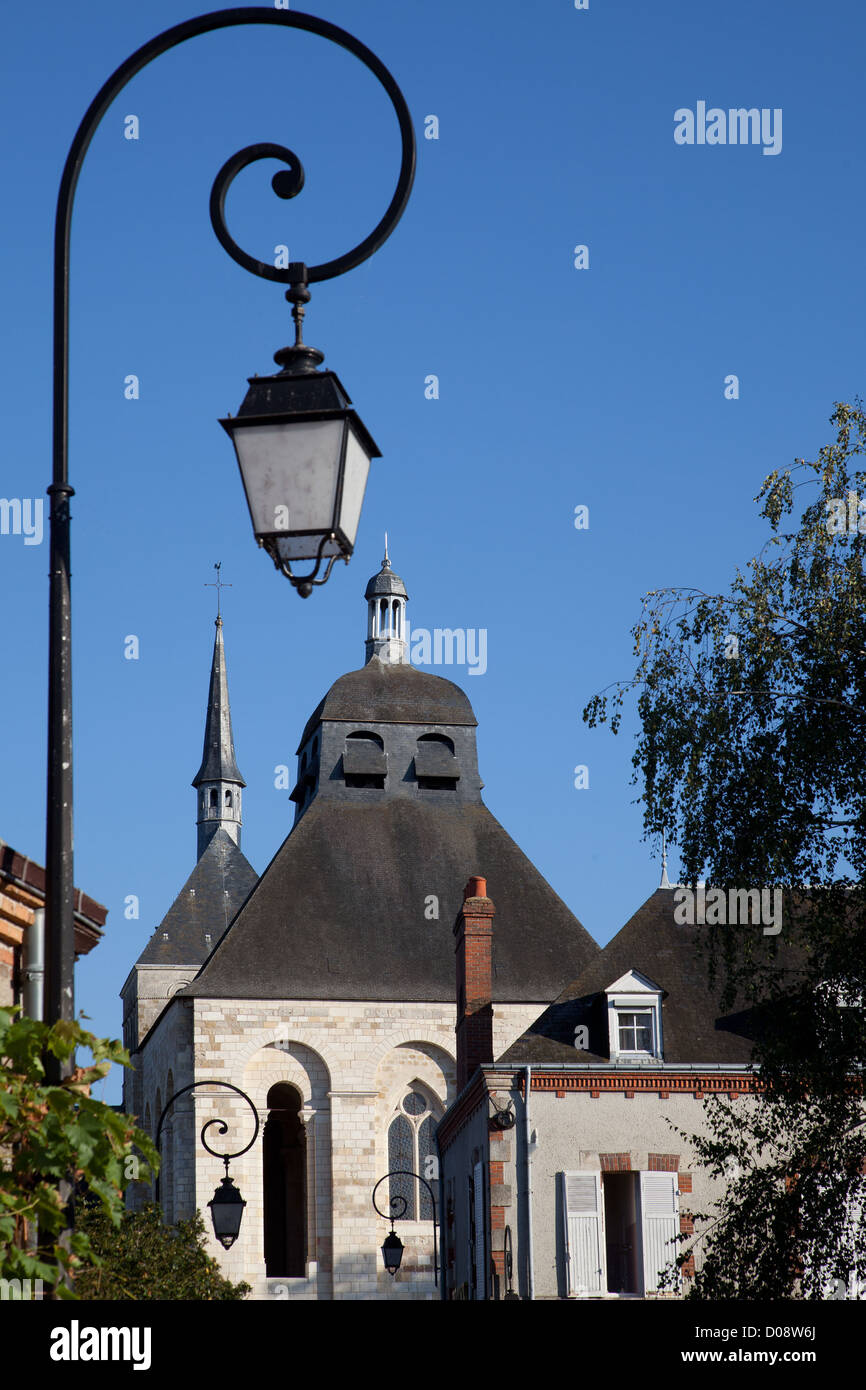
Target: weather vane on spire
point(386, 561)
point(218, 585)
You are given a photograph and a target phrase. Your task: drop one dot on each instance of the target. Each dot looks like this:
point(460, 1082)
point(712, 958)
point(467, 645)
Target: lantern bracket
point(222, 1127)
point(304, 582)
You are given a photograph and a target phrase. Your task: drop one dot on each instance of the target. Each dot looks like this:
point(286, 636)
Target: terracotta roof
point(89, 914)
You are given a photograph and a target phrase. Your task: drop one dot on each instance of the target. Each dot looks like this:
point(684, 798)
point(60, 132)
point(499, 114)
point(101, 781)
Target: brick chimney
point(474, 949)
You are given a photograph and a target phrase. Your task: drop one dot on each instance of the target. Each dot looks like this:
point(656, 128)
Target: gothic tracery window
point(412, 1148)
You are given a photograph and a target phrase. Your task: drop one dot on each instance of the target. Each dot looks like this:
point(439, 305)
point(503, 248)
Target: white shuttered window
point(583, 1213)
point(660, 1225)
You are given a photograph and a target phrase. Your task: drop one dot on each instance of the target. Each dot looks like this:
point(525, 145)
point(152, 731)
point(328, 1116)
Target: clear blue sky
point(558, 386)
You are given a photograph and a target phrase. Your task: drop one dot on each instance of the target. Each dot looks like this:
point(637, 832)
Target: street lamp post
point(392, 1247)
point(303, 453)
point(227, 1204)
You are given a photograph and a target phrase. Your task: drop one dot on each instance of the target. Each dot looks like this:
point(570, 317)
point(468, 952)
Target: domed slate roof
point(381, 693)
point(386, 584)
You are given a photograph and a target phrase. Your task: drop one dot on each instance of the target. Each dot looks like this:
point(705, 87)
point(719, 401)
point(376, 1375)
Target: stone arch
point(287, 1060)
point(436, 1064)
point(278, 1036)
point(414, 1060)
point(272, 1065)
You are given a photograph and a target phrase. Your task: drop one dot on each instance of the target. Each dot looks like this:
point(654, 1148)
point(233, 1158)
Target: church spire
point(386, 615)
point(218, 780)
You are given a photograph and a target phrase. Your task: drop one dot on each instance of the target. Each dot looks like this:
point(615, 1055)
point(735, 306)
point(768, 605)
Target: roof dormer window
point(364, 761)
point(435, 764)
point(634, 1012)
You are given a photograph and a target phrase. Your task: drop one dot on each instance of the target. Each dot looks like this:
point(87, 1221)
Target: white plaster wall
point(575, 1129)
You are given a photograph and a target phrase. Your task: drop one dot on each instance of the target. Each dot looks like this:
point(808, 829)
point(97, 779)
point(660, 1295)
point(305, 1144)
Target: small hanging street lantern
point(304, 457)
point(392, 1252)
point(227, 1204)
point(226, 1210)
point(392, 1246)
point(303, 453)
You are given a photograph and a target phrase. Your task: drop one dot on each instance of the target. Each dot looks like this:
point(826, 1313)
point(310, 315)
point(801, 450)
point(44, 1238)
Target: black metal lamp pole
point(300, 360)
point(227, 1205)
point(393, 1247)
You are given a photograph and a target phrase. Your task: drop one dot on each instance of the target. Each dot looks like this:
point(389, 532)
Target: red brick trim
point(615, 1163)
point(664, 1163)
point(695, 1083)
point(685, 1182)
point(591, 1083)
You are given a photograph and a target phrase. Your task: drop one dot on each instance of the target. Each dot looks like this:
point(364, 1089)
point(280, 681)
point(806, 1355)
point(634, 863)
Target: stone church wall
point(352, 1063)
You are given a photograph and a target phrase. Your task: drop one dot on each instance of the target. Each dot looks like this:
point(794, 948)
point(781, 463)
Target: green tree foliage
point(145, 1259)
point(751, 751)
point(53, 1136)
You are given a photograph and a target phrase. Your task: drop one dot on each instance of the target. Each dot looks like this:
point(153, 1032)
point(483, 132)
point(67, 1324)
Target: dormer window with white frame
point(634, 1016)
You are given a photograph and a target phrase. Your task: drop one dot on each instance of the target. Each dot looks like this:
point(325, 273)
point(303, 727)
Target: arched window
point(411, 1146)
point(383, 618)
point(228, 798)
point(284, 1148)
point(214, 797)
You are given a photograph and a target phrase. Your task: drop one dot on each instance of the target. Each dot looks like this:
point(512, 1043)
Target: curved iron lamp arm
point(401, 1214)
point(60, 939)
point(223, 1127)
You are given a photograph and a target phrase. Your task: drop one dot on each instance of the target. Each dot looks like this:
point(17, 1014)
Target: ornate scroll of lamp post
point(303, 453)
point(227, 1204)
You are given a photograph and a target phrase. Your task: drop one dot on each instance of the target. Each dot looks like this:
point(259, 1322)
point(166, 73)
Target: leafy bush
point(145, 1259)
point(54, 1139)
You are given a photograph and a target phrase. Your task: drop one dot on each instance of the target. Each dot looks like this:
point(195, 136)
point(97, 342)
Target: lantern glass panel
point(290, 474)
point(354, 486)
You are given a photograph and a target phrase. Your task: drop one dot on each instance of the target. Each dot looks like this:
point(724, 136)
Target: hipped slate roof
point(209, 899)
point(380, 693)
point(694, 1028)
point(340, 911)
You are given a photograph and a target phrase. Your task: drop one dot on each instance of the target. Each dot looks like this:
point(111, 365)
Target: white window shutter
point(660, 1225)
point(480, 1271)
point(583, 1212)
